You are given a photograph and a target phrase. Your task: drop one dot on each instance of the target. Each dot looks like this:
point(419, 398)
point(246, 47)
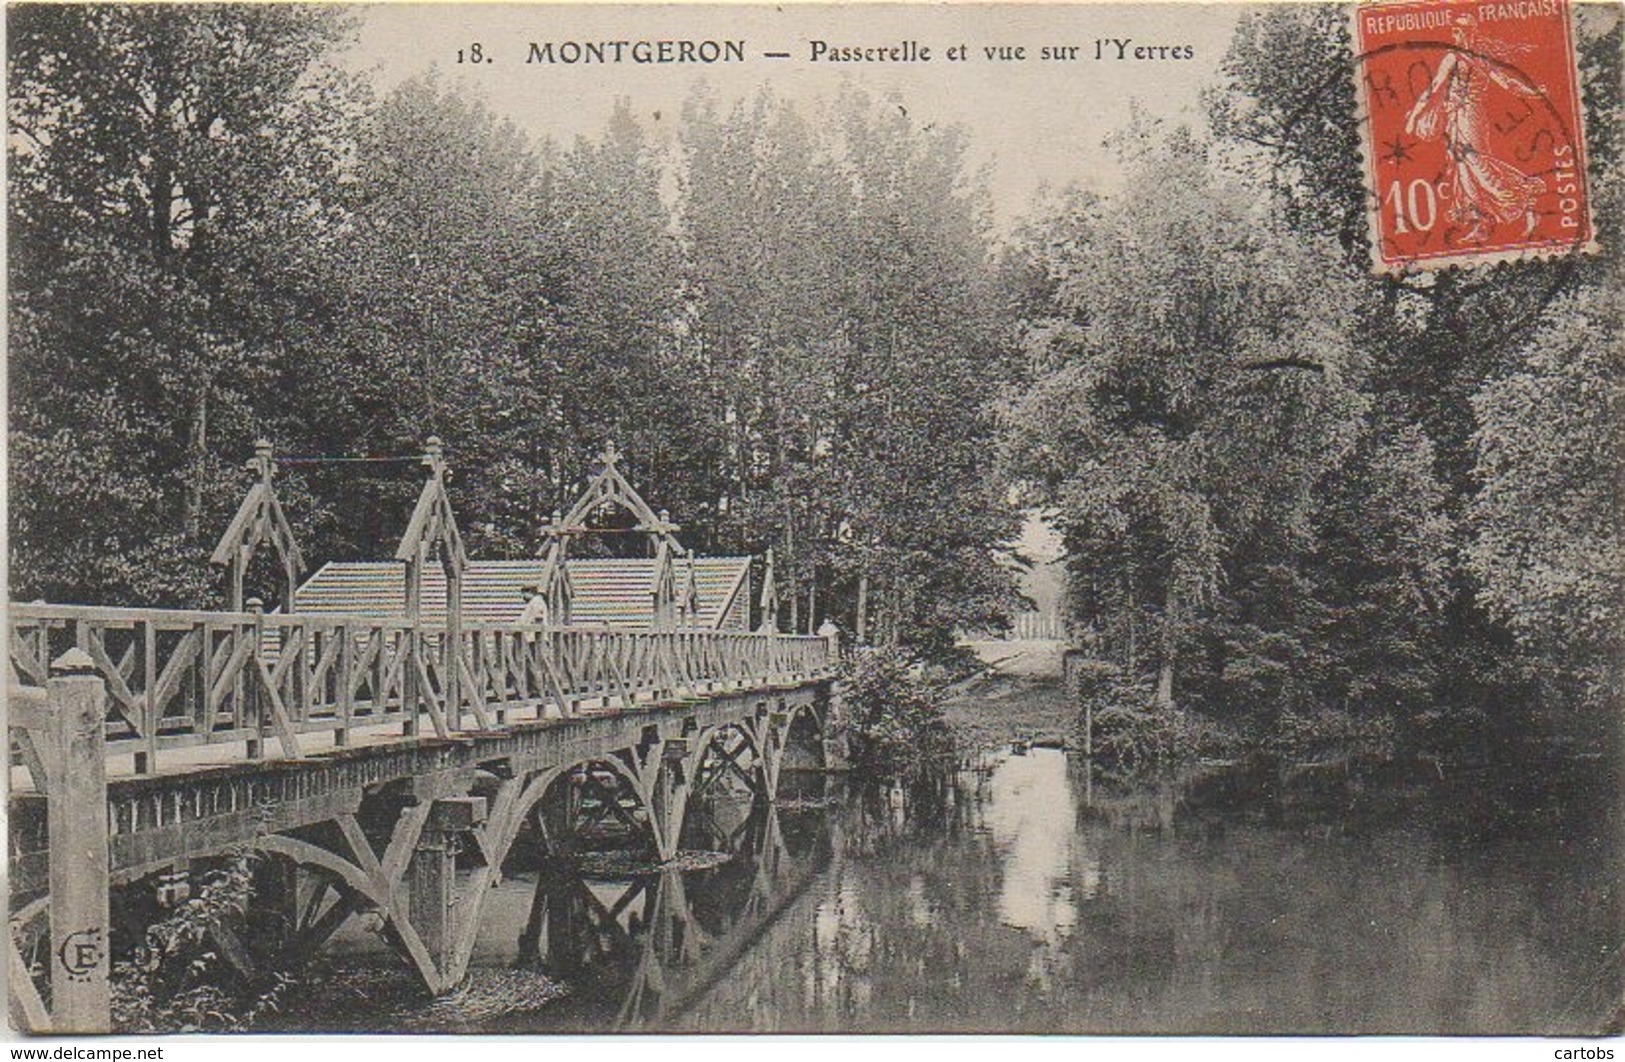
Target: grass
point(1018, 695)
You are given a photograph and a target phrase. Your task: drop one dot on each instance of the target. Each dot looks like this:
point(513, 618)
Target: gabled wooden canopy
point(259, 520)
point(610, 487)
point(433, 523)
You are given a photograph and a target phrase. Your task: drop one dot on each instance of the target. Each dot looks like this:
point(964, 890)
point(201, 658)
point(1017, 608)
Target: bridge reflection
point(638, 945)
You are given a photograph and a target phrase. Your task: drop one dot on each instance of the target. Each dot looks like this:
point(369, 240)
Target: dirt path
point(1018, 696)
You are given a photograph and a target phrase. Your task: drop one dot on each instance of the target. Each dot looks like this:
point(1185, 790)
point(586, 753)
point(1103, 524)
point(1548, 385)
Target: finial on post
point(434, 456)
point(553, 526)
point(74, 663)
point(662, 527)
point(262, 463)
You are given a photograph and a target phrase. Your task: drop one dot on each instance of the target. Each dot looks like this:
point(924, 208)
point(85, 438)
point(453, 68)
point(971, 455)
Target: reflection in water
point(1035, 897)
point(1031, 817)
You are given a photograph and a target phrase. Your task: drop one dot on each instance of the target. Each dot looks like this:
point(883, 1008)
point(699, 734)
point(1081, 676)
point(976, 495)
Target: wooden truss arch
point(260, 520)
point(676, 596)
point(432, 536)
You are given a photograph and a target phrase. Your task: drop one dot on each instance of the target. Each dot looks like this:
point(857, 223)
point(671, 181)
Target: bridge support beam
point(672, 788)
point(768, 729)
point(431, 879)
point(661, 772)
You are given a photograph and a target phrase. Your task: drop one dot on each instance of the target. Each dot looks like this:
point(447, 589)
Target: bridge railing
point(180, 678)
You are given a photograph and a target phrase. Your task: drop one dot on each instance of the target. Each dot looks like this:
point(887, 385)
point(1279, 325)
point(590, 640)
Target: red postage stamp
point(1474, 149)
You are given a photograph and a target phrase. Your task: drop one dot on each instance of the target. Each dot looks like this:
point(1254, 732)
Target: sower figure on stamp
point(1484, 190)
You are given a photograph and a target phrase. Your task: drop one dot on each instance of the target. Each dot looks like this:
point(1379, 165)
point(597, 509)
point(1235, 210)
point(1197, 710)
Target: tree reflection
point(1038, 896)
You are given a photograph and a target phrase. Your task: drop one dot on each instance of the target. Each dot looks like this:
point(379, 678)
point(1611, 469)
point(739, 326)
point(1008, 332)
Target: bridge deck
point(217, 800)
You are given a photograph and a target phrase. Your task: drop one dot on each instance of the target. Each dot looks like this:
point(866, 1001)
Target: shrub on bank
point(895, 723)
point(1328, 734)
point(178, 979)
point(1130, 730)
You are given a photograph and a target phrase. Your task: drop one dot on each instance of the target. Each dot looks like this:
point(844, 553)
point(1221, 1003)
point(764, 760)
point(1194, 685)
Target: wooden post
point(770, 596)
point(409, 678)
point(146, 761)
point(76, 809)
point(863, 607)
point(452, 680)
point(832, 636)
point(432, 874)
point(255, 704)
point(346, 690)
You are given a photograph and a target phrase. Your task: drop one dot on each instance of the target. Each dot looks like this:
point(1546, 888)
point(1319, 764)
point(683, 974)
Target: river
point(1031, 895)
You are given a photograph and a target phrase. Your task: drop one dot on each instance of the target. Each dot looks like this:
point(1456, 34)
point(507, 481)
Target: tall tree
point(1185, 404)
point(626, 377)
point(844, 296)
point(440, 309)
point(168, 167)
point(1457, 354)
point(764, 215)
point(1550, 544)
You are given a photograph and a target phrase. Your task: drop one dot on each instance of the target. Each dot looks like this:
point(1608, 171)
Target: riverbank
point(1018, 696)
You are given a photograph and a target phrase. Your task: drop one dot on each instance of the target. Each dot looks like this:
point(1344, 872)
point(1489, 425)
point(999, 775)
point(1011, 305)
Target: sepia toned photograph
point(1096, 519)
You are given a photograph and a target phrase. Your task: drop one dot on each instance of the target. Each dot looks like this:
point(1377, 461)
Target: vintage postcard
point(1095, 519)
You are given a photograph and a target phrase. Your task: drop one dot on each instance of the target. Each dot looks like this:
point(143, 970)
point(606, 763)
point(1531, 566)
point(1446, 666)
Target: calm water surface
point(1031, 896)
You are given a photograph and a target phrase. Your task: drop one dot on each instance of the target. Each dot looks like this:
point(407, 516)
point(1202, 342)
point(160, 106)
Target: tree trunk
point(901, 601)
point(863, 608)
point(1170, 635)
point(193, 520)
point(1130, 656)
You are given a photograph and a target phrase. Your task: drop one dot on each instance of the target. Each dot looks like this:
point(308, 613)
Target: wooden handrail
point(111, 614)
point(185, 677)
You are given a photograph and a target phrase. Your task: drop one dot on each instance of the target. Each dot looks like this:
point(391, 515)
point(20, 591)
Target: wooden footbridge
point(380, 763)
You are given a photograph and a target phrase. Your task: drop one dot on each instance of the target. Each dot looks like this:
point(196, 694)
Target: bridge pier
point(431, 879)
point(831, 712)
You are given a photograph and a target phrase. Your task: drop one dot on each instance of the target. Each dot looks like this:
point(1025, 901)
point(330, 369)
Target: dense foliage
point(1299, 498)
point(178, 978)
point(787, 326)
point(894, 718)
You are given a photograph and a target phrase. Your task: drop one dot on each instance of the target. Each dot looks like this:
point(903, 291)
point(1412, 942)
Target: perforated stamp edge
point(1464, 259)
